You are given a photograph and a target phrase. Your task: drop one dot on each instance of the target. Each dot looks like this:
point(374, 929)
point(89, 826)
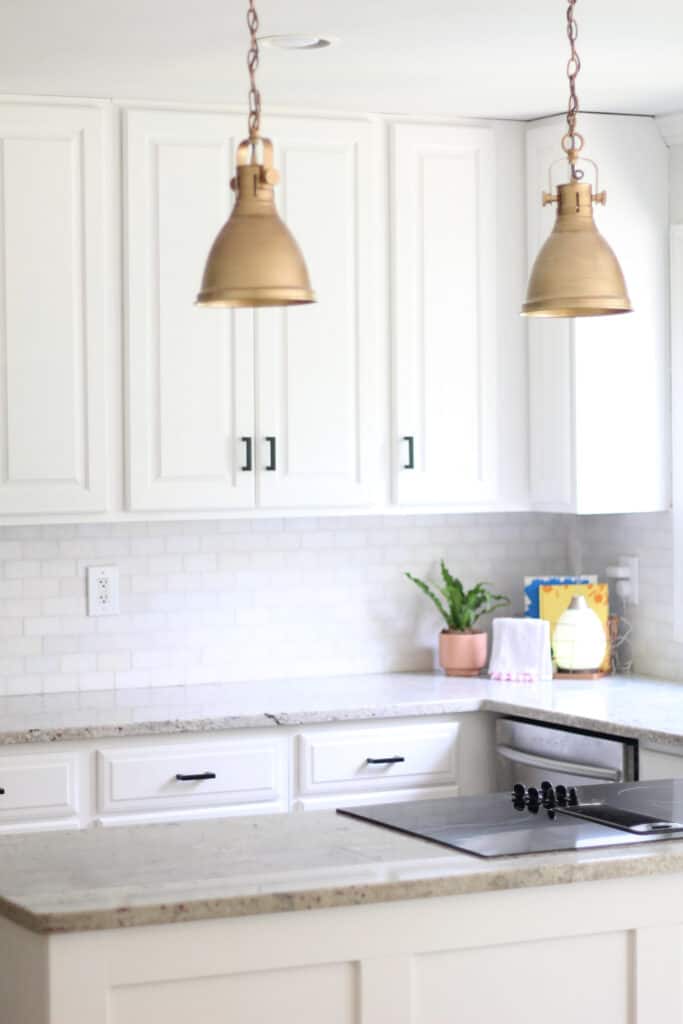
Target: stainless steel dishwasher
point(531, 752)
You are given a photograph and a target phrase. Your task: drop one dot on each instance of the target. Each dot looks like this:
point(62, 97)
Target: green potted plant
point(462, 648)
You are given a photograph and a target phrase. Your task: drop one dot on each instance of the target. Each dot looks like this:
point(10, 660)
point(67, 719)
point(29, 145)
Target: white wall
point(247, 599)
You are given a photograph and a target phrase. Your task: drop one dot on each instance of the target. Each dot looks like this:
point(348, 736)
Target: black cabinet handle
point(384, 760)
point(248, 463)
point(410, 464)
point(272, 454)
point(198, 777)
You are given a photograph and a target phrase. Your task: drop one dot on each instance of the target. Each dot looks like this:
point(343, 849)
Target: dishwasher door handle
point(552, 765)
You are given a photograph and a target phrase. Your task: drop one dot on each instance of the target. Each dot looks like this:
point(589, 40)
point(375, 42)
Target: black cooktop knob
point(545, 786)
point(573, 798)
point(518, 791)
point(561, 794)
point(533, 795)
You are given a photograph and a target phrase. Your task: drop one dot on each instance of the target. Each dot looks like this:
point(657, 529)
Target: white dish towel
point(521, 650)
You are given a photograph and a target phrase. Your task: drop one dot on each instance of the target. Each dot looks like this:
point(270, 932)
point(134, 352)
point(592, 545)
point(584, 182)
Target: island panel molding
point(351, 964)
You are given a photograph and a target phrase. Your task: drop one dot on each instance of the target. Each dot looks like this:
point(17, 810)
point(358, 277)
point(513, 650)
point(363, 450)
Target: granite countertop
point(631, 706)
point(159, 874)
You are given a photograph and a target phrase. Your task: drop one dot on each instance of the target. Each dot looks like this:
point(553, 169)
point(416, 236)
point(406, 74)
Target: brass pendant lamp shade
point(576, 272)
point(254, 260)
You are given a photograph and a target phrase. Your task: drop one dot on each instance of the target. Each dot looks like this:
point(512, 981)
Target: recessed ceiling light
point(297, 41)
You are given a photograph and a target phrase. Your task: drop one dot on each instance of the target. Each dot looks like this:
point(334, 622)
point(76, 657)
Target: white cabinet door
point(316, 365)
point(41, 791)
point(660, 763)
point(189, 370)
point(443, 202)
point(216, 777)
point(54, 333)
point(599, 403)
point(377, 758)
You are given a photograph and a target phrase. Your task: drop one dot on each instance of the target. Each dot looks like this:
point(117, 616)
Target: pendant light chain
point(573, 141)
point(252, 64)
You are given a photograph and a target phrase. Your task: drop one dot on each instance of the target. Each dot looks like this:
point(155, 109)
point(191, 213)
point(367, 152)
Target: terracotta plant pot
point(462, 654)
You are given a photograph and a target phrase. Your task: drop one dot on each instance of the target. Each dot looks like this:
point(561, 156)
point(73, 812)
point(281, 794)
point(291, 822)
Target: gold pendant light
point(255, 260)
point(575, 273)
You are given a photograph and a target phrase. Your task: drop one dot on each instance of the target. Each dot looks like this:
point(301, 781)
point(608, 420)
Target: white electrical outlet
point(625, 576)
point(103, 590)
point(630, 562)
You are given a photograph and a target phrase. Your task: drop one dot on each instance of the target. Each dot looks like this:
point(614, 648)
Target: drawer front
point(395, 757)
point(38, 788)
point(191, 777)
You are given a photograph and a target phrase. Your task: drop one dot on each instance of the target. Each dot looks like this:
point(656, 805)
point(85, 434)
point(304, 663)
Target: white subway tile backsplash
point(252, 599)
point(650, 536)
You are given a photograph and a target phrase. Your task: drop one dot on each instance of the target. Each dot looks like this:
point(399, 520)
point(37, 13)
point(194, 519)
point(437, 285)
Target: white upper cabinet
point(317, 379)
point(54, 329)
point(599, 386)
point(231, 409)
point(443, 207)
point(190, 392)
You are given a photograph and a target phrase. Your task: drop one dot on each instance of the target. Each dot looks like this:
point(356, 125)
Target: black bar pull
point(410, 464)
point(385, 760)
point(248, 463)
point(272, 454)
point(197, 777)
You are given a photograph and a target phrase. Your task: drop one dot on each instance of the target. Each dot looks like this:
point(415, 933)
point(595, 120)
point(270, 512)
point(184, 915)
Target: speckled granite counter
point(626, 706)
point(157, 874)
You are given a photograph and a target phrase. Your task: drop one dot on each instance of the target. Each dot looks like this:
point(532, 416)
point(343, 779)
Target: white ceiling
point(500, 58)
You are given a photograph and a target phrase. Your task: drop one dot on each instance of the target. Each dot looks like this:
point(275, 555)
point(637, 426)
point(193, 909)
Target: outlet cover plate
point(103, 590)
point(631, 562)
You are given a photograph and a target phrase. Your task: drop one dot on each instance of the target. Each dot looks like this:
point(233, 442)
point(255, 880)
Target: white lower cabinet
point(660, 762)
point(41, 790)
point(243, 771)
point(371, 764)
point(200, 779)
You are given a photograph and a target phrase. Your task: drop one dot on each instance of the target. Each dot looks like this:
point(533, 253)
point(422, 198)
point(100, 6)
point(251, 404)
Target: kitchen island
point(318, 917)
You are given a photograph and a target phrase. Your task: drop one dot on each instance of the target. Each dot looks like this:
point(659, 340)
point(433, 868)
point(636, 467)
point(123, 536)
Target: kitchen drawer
point(377, 758)
point(40, 790)
point(222, 777)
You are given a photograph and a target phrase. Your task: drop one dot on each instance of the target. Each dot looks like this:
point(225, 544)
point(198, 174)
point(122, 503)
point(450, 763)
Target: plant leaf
point(432, 596)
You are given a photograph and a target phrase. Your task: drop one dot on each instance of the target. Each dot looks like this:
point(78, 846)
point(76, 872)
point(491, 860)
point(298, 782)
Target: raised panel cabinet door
point(444, 314)
point(54, 329)
point(551, 348)
point(317, 365)
point(189, 369)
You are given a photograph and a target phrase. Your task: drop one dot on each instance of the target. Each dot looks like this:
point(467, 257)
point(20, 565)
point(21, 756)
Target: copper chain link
point(252, 64)
point(573, 67)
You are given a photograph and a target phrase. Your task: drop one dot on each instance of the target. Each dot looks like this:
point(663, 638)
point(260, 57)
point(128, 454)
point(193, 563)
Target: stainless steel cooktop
point(539, 820)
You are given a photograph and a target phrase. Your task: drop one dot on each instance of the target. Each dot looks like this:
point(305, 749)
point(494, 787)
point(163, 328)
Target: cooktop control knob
point(561, 795)
point(518, 791)
point(573, 798)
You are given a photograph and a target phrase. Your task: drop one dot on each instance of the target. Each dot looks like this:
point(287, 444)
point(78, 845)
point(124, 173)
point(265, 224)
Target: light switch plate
point(103, 590)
